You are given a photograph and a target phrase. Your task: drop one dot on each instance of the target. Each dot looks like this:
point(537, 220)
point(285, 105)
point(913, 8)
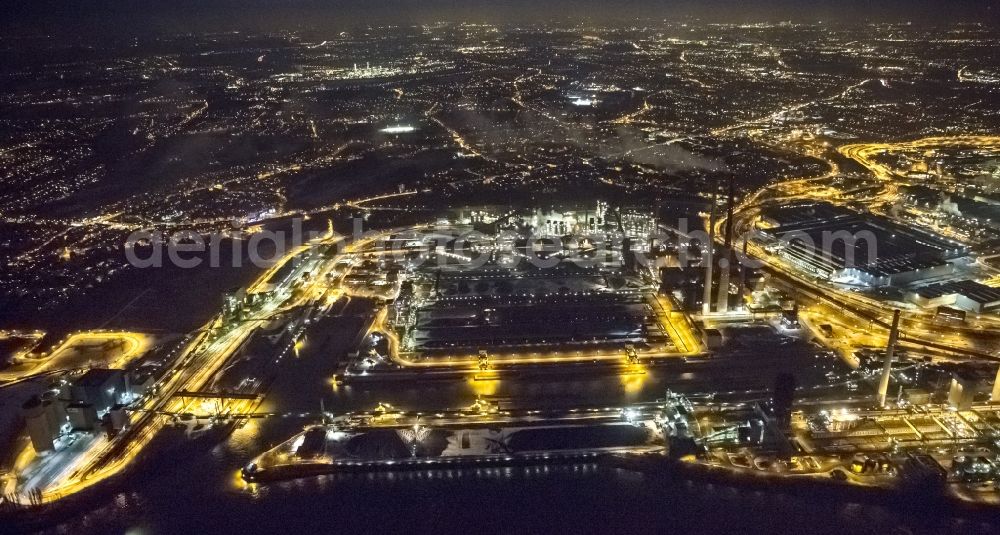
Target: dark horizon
point(127, 17)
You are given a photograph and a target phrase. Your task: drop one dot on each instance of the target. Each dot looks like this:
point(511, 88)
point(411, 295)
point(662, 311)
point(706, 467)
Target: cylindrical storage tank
point(54, 411)
point(37, 422)
point(33, 407)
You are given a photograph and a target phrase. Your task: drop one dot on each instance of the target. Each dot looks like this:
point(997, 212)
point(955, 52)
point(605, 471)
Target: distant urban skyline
point(274, 14)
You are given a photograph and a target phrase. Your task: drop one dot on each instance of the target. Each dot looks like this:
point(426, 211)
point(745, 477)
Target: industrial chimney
point(706, 303)
point(883, 384)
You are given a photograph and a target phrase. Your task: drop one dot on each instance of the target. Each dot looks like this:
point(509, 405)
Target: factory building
point(116, 419)
point(964, 387)
point(142, 379)
point(96, 391)
point(99, 387)
point(966, 295)
point(972, 212)
point(898, 271)
point(82, 416)
point(563, 221)
point(836, 243)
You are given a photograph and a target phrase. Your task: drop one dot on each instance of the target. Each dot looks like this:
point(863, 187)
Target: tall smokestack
point(883, 384)
point(722, 305)
point(743, 276)
point(706, 302)
point(729, 215)
point(995, 397)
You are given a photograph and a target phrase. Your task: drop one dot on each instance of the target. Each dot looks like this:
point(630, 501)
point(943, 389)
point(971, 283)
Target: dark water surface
point(187, 486)
point(183, 493)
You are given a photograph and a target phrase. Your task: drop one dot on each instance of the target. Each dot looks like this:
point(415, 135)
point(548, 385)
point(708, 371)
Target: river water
point(193, 489)
point(186, 486)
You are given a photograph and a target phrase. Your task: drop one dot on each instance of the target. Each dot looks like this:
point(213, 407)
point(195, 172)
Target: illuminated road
point(84, 349)
point(865, 153)
point(206, 352)
point(979, 339)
